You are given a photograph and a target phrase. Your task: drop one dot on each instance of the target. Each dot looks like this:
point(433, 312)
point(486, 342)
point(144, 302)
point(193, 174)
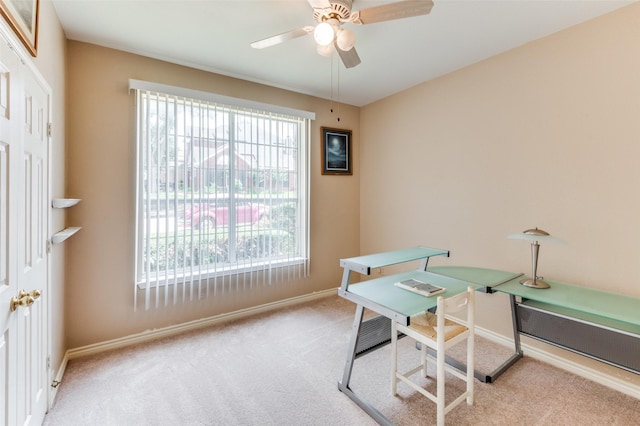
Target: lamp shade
point(325, 50)
point(536, 234)
point(324, 34)
point(345, 39)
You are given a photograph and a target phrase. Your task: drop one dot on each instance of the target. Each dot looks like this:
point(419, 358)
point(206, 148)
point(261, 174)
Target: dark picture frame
point(336, 151)
point(22, 16)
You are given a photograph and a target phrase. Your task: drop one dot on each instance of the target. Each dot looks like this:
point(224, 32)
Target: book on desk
point(420, 287)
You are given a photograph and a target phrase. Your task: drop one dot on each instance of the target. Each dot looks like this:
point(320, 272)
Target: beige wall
point(545, 135)
point(100, 157)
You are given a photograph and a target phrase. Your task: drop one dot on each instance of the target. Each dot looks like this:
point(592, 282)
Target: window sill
point(221, 273)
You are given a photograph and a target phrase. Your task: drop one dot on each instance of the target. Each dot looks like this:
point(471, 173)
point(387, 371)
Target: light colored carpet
point(282, 368)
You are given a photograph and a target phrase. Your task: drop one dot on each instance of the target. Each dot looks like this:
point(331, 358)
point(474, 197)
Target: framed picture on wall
point(22, 16)
point(336, 151)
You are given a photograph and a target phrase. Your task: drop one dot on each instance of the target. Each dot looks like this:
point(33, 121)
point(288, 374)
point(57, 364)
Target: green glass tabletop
point(364, 264)
point(564, 296)
point(588, 300)
point(382, 291)
point(482, 276)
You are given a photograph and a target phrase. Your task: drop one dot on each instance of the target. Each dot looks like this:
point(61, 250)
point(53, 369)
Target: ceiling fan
point(331, 14)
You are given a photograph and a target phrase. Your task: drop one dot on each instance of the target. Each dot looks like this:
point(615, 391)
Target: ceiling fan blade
point(391, 11)
point(349, 57)
point(280, 38)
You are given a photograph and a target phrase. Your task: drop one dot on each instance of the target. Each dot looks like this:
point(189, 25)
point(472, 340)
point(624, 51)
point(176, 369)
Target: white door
point(8, 234)
point(24, 113)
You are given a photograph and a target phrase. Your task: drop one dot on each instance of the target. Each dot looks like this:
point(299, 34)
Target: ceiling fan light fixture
point(324, 50)
point(345, 39)
point(324, 34)
point(330, 15)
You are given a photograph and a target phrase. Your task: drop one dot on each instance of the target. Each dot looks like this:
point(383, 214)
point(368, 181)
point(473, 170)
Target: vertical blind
point(222, 195)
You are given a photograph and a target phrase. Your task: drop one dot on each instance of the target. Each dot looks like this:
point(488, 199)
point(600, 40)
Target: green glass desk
point(588, 301)
point(595, 323)
point(392, 304)
point(601, 325)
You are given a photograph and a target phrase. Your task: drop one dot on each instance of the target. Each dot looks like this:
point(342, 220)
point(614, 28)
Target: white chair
point(439, 333)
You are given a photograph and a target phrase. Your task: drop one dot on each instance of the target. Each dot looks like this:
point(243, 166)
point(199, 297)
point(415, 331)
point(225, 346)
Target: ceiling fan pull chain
point(337, 90)
point(338, 93)
point(331, 80)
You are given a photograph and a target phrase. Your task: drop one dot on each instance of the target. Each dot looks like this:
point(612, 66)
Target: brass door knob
point(22, 301)
point(33, 293)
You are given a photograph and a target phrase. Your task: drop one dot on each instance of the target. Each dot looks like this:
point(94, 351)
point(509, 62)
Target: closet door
point(9, 153)
point(32, 327)
point(24, 107)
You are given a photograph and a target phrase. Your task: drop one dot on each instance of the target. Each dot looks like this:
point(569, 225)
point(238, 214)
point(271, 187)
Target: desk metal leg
point(353, 343)
point(514, 319)
point(516, 342)
point(346, 377)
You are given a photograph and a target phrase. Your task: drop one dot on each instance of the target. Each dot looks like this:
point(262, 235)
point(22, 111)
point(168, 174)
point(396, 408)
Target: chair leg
point(470, 368)
point(440, 387)
point(423, 359)
point(394, 358)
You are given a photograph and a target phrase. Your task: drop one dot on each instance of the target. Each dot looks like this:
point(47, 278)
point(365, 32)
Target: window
point(222, 193)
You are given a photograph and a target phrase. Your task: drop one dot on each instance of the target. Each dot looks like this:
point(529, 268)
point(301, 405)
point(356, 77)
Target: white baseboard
point(57, 380)
point(193, 325)
point(576, 368)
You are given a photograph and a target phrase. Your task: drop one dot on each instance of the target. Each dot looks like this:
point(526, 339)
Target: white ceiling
point(214, 35)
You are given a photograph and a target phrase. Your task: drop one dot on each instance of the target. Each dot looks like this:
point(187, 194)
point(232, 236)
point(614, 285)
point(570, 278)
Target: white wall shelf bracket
point(59, 237)
point(63, 203)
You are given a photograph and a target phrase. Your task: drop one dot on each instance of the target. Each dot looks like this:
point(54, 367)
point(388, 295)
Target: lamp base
point(537, 283)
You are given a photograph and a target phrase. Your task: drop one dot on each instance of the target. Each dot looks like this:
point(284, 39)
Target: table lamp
point(535, 235)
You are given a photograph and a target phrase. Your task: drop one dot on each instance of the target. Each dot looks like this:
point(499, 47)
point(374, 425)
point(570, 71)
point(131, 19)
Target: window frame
point(233, 106)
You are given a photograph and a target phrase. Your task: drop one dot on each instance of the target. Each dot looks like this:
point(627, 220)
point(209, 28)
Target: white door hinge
point(49, 129)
